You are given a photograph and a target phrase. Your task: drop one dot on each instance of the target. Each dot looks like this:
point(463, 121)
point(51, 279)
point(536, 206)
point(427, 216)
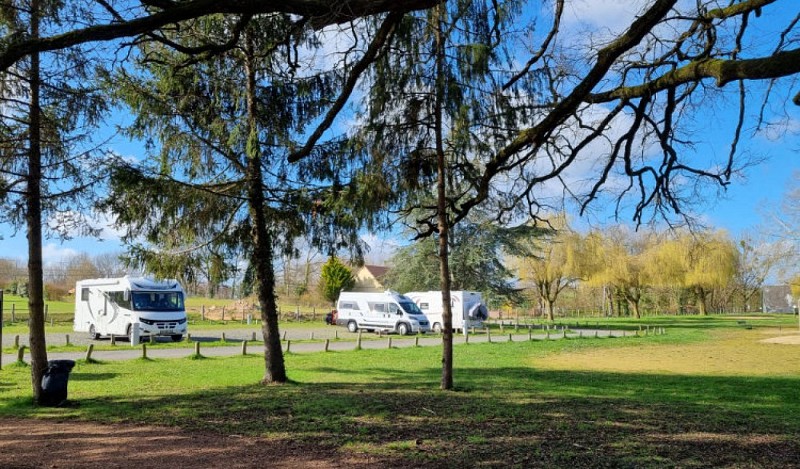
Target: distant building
point(777, 299)
point(369, 278)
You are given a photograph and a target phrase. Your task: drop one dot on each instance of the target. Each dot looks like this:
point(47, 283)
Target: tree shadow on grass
point(500, 417)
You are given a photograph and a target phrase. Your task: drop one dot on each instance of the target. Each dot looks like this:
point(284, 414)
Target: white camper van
point(386, 311)
point(107, 306)
point(468, 308)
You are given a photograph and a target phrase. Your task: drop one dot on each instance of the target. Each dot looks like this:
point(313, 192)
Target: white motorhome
point(386, 311)
point(468, 308)
point(107, 306)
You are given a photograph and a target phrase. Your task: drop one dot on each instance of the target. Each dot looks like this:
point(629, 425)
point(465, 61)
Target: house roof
point(376, 271)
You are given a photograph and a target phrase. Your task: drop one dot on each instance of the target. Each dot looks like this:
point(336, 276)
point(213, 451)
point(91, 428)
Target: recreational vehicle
point(386, 311)
point(468, 308)
point(116, 306)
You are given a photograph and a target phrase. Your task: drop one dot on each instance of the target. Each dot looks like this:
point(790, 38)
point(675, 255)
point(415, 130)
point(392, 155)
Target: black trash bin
point(54, 382)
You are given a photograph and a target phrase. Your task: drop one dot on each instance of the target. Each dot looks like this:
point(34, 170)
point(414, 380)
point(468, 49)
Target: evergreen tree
point(47, 110)
point(335, 278)
point(220, 127)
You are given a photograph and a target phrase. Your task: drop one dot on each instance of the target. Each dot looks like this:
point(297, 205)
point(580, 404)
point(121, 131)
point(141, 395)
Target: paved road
point(296, 341)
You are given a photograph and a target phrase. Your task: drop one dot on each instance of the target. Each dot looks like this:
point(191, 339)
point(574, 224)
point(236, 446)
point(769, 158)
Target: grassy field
point(709, 393)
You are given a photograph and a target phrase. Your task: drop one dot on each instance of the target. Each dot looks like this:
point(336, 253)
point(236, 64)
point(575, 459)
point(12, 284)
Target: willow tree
point(553, 262)
point(700, 262)
point(220, 124)
point(47, 113)
point(620, 263)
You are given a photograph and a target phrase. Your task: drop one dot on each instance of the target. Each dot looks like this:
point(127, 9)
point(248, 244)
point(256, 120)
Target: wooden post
point(223, 313)
point(327, 344)
point(254, 336)
point(284, 335)
point(244, 347)
point(358, 341)
point(197, 349)
point(113, 340)
point(13, 312)
point(89, 351)
point(488, 335)
point(67, 339)
point(312, 335)
point(16, 341)
point(595, 334)
point(530, 334)
point(510, 338)
point(416, 341)
point(223, 338)
point(188, 337)
point(336, 334)
point(288, 346)
point(580, 334)
point(21, 354)
point(144, 350)
point(564, 332)
point(203, 312)
point(389, 342)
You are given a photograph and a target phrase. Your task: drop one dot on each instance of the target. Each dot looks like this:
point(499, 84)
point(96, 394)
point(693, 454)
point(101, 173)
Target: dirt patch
point(732, 353)
point(784, 340)
point(31, 443)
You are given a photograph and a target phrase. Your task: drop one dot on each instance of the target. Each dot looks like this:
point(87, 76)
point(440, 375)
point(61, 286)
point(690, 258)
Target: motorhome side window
point(348, 305)
point(423, 306)
point(378, 307)
point(392, 308)
point(118, 297)
point(84, 294)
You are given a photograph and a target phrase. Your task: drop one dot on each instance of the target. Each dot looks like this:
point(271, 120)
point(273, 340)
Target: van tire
point(352, 326)
point(93, 332)
point(403, 329)
point(437, 328)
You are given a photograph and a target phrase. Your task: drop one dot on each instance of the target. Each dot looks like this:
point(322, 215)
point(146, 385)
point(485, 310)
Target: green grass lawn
point(708, 396)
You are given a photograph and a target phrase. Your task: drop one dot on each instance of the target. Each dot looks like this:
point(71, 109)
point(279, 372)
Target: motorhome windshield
point(157, 301)
point(410, 307)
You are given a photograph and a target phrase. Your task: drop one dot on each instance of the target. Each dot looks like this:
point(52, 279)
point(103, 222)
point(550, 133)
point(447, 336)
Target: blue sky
point(738, 208)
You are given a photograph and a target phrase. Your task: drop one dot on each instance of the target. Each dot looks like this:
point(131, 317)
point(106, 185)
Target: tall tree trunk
point(549, 306)
point(633, 303)
point(701, 300)
point(444, 260)
point(33, 219)
point(262, 254)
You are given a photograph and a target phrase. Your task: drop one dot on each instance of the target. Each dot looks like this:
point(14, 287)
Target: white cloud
point(53, 253)
point(611, 16)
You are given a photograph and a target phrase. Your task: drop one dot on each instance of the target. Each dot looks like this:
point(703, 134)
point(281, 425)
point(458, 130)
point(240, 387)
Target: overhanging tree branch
point(15, 46)
point(778, 65)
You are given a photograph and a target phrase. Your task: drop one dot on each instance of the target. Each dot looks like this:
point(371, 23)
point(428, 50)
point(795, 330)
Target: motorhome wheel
point(352, 326)
point(93, 332)
point(403, 329)
point(437, 328)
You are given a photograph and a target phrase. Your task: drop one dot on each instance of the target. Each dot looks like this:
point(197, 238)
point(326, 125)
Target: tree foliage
point(335, 278)
point(477, 261)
